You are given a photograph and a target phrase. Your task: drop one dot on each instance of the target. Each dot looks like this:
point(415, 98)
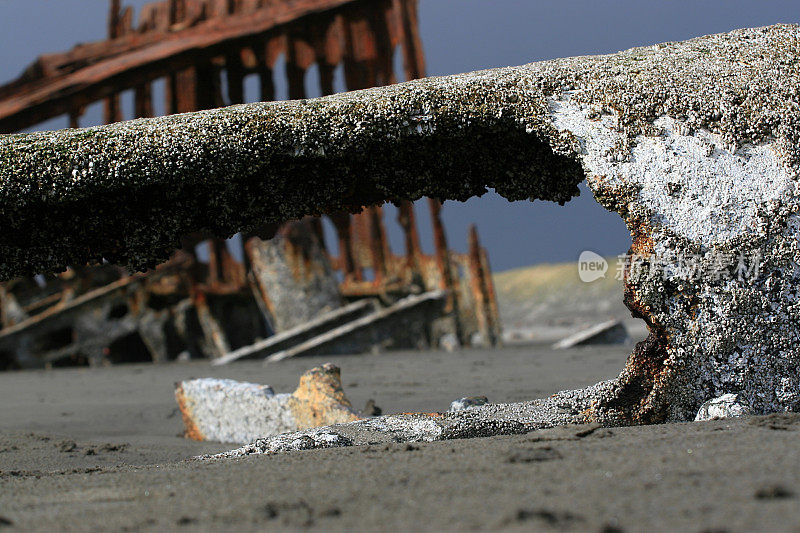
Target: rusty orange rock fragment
point(320, 400)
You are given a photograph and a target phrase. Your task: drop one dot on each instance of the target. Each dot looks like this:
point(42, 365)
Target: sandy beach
point(88, 448)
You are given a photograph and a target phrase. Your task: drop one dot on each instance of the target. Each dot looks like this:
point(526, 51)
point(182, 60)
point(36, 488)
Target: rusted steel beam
point(150, 326)
point(72, 305)
point(171, 95)
point(235, 6)
point(360, 51)
point(326, 72)
point(295, 77)
point(11, 311)
point(193, 274)
point(411, 42)
point(196, 12)
point(480, 293)
point(266, 56)
point(233, 272)
point(250, 6)
point(367, 289)
point(216, 342)
point(352, 79)
point(114, 16)
point(299, 57)
point(360, 54)
point(376, 244)
point(181, 87)
point(143, 101)
point(209, 86)
point(260, 296)
point(407, 219)
point(319, 325)
point(327, 42)
point(156, 17)
point(219, 8)
point(93, 51)
point(85, 54)
point(135, 59)
point(74, 118)
point(85, 308)
point(342, 223)
point(360, 233)
point(404, 324)
point(44, 303)
point(112, 111)
point(393, 24)
point(216, 249)
point(266, 82)
point(442, 253)
point(177, 11)
point(379, 21)
point(384, 238)
point(224, 272)
point(234, 71)
point(362, 240)
point(494, 311)
point(249, 59)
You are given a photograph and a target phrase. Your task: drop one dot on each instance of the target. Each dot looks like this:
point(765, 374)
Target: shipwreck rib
point(694, 144)
point(136, 57)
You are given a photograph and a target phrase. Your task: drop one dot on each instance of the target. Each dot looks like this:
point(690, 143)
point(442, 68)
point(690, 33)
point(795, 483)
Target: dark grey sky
point(459, 36)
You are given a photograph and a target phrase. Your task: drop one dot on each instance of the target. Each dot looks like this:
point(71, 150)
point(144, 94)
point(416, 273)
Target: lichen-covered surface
point(695, 144)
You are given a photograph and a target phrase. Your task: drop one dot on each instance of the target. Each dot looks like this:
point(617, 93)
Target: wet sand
point(83, 449)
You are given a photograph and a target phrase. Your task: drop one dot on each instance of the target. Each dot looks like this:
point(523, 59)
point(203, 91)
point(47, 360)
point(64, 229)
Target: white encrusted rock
point(229, 411)
point(725, 406)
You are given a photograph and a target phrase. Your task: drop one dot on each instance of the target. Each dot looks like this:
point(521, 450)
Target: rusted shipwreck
point(694, 144)
point(256, 296)
point(284, 299)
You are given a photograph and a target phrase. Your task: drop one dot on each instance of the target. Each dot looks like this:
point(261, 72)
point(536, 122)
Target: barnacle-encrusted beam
point(694, 144)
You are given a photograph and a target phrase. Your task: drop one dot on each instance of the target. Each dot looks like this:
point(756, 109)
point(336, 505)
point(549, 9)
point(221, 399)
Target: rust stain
point(442, 254)
point(408, 222)
point(642, 244)
point(191, 431)
point(635, 400)
point(494, 310)
point(342, 223)
point(377, 243)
